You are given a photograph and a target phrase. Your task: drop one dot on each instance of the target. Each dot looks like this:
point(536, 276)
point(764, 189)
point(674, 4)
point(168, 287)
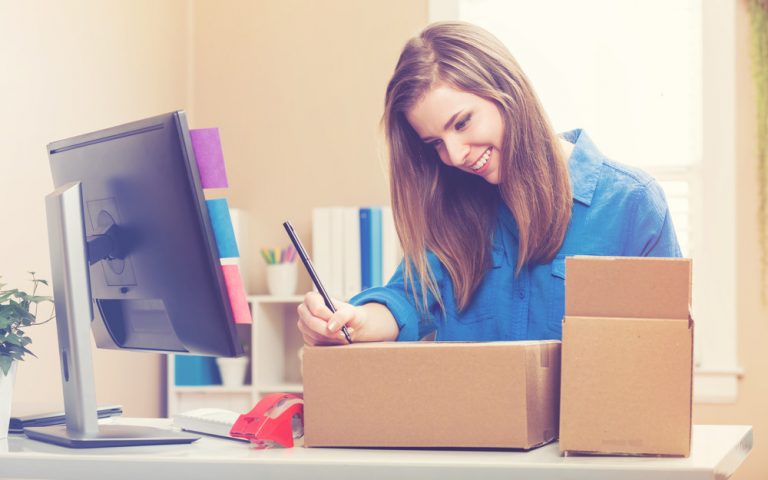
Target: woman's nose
point(456, 152)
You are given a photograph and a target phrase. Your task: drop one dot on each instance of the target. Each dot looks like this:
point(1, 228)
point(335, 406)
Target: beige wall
point(69, 68)
point(753, 316)
point(296, 88)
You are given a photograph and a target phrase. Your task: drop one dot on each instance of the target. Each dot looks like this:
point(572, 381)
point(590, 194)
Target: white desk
point(717, 450)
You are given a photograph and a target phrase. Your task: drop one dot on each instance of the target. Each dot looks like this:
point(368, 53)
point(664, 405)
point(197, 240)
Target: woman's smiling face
point(465, 130)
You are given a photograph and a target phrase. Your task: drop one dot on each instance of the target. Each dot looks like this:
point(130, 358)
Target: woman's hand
point(319, 326)
point(371, 322)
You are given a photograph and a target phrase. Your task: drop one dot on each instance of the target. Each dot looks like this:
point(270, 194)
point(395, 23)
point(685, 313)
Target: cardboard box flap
point(628, 287)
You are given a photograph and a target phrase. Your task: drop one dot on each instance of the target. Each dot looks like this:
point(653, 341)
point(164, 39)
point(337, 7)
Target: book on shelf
point(376, 280)
point(195, 370)
point(365, 249)
point(391, 252)
point(352, 274)
point(353, 248)
point(321, 244)
point(336, 228)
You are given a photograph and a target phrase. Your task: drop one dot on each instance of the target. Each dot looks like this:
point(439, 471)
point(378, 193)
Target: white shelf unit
point(274, 364)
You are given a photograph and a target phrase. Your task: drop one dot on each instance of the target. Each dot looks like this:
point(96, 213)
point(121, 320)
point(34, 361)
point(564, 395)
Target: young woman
point(488, 201)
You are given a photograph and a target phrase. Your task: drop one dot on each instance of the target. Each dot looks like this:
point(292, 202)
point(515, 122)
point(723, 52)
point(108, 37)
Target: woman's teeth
point(483, 160)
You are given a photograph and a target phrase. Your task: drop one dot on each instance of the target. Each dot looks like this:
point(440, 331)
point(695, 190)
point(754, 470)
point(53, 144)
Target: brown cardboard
point(627, 357)
point(432, 394)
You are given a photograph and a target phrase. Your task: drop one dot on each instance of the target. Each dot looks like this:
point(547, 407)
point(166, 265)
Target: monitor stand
point(74, 313)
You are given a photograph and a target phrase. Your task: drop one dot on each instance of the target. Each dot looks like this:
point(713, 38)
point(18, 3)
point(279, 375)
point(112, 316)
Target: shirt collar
point(583, 168)
point(583, 165)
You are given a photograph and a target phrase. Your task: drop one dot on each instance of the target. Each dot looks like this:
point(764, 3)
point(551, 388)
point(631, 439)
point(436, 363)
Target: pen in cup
point(312, 273)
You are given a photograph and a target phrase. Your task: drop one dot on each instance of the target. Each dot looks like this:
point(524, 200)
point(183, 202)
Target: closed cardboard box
point(432, 394)
point(627, 356)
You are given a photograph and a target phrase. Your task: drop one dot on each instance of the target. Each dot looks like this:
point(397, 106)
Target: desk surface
point(716, 452)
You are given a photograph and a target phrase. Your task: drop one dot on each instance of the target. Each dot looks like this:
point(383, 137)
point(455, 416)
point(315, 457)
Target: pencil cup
point(281, 278)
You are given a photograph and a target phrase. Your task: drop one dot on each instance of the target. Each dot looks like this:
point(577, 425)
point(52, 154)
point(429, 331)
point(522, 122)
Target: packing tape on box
point(206, 143)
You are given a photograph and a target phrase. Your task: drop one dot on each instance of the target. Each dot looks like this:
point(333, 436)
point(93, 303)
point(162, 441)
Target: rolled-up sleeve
point(413, 324)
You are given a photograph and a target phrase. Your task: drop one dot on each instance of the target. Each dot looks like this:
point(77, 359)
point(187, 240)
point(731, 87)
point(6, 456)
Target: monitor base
point(109, 436)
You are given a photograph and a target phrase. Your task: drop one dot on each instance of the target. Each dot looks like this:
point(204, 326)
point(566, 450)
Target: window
point(632, 74)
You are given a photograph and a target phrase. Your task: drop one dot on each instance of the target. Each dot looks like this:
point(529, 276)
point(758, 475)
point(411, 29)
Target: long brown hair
point(451, 213)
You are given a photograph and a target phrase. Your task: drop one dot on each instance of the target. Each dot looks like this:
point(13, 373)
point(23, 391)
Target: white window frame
point(712, 207)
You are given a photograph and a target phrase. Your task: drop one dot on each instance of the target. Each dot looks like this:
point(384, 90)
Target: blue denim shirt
point(617, 210)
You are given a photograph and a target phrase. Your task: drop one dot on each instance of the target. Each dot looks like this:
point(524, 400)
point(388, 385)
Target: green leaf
point(5, 364)
point(13, 340)
point(22, 313)
point(15, 314)
point(14, 351)
point(4, 296)
point(39, 298)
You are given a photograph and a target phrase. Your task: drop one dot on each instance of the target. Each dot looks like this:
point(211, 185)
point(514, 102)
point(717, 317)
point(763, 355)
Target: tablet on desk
point(18, 423)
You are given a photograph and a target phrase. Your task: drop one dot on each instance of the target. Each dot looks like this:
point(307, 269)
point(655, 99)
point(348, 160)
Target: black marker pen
point(313, 274)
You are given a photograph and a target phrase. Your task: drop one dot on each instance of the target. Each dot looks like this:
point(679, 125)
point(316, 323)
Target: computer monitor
point(134, 259)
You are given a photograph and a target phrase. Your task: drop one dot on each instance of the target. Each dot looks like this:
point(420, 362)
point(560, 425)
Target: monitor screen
point(134, 260)
point(157, 284)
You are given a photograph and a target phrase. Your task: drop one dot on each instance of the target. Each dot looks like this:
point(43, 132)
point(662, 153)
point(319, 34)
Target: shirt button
point(521, 293)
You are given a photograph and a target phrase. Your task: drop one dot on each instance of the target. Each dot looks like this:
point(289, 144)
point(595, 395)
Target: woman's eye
point(463, 123)
point(435, 144)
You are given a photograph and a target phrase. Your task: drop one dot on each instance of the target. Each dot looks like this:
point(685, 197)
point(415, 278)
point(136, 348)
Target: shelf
point(281, 387)
point(212, 389)
point(275, 298)
point(275, 366)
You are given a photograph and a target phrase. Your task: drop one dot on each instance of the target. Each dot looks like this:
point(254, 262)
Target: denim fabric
point(617, 210)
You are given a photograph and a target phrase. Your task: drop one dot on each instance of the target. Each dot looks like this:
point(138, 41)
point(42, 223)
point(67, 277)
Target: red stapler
point(275, 421)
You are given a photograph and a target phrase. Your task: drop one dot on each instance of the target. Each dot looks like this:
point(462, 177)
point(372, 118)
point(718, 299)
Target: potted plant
point(18, 310)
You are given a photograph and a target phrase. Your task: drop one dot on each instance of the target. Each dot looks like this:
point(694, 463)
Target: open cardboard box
point(627, 356)
point(432, 394)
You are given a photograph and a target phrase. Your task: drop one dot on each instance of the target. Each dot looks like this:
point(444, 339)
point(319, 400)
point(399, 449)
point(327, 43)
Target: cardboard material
point(427, 394)
point(627, 356)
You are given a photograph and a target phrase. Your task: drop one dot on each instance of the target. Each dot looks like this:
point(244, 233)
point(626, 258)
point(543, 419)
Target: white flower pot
point(282, 279)
point(6, 394)
point(232, 370)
